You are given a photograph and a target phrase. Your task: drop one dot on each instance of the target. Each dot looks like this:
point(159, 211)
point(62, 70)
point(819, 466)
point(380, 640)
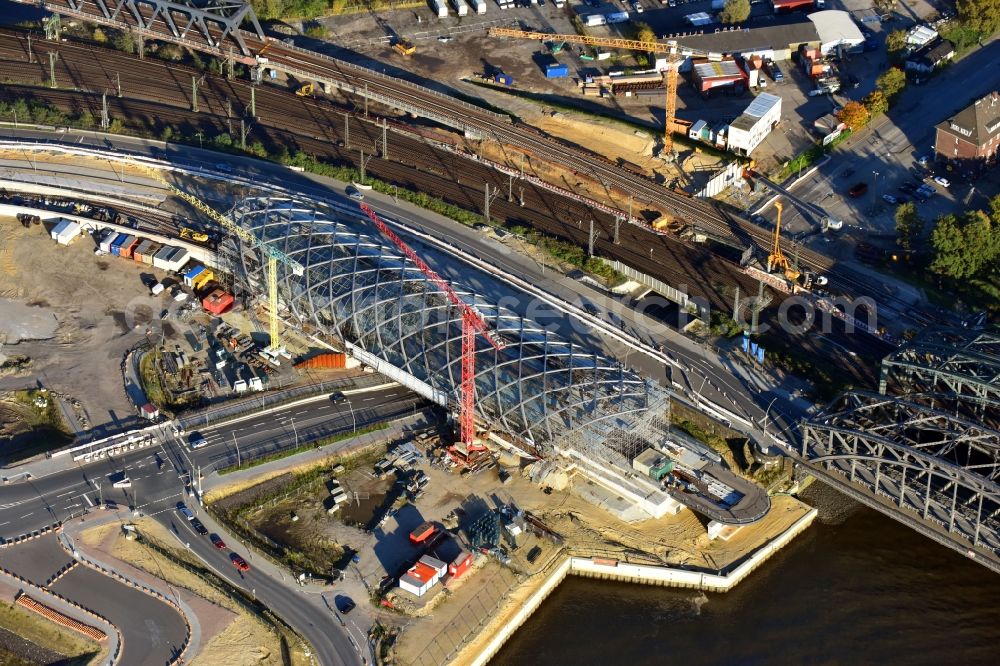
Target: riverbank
point(524, 600)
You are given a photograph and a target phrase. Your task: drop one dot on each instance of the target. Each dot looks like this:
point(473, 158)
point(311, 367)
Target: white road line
point(25, 515)
point(87, 497)
point(68, 492)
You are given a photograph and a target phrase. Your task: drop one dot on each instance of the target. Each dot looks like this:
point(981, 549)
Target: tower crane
point(675, 55)
point(472, 323)
point(272, 254)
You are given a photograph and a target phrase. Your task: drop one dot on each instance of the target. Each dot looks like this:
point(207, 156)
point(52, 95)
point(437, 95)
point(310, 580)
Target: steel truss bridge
point(960, 363)
point(929, 457)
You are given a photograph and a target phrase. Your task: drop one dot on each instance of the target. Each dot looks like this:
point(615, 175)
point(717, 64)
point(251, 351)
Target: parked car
point(199, 527)
point(197, 441)
point(847, 173)
point(184, 511)
point(888, 198)
point(858, 189)
point(355, 193)
point(218, 542)
point(942, 181)
point(239, 562)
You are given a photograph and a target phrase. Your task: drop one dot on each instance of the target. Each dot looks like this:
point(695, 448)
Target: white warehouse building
point(756, 122)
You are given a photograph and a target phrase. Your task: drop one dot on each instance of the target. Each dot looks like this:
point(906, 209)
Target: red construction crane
point(472, 323)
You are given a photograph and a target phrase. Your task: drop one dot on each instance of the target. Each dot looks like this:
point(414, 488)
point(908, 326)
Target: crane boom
point(472, 322)
point(271, 254)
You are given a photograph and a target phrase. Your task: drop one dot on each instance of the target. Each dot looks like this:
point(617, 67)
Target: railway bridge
point(929, 455)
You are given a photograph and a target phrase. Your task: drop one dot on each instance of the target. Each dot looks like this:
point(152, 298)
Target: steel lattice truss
point(204, 22)
point(934, 471)
point(360, 292)
point(959, 362)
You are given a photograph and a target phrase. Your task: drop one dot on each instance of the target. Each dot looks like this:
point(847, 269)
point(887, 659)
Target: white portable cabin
point(461, 8)
point(66, 232)
point(440, 7)
point(480, 6)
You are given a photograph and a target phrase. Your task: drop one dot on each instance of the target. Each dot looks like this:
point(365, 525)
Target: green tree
point(124, 41)
point(116, 126)
point(948, 242)
point(854, 115)
point(980, 241)
point(642, 32)
point(909, 226)
point(995, 209)
point(85, 119)
point(876, 103)
point(223, 140)
point(100, 37)
point(735, 11)
point(891, 83)
point(895, 41)
point(983, 16)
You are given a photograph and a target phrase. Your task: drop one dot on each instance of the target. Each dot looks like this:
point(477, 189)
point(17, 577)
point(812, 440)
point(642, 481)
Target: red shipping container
point(325, 361)
point(423, 533)
point(128, 248)
point(217, 302)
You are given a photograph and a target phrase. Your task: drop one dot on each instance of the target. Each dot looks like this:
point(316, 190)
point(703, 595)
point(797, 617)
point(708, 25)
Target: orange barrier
point(60, 619)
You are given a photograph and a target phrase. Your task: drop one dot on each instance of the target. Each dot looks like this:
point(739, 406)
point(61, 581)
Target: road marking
point(25, 515)
point(87, 497)
point(68, 492)
point(367, 399)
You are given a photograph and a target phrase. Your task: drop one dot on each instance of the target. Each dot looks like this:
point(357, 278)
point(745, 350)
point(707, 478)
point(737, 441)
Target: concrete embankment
point(608, 569)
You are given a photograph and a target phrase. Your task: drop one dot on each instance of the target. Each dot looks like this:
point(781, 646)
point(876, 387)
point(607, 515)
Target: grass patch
point(975, 294)
point(311, 446)
point(42, 409)
point(810, 155)
point(46, 634)
point(571, 253)
point(150, 376)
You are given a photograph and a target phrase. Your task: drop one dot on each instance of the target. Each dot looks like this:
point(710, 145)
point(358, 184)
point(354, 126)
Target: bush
point(316, 30)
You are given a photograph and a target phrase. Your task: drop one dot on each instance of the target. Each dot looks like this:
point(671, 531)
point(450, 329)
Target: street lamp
point(763, 424)
point(875, 183)
point(354, 421)
point(239, 462)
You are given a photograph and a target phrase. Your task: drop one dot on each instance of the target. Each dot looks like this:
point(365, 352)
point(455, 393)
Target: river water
point(855, 588)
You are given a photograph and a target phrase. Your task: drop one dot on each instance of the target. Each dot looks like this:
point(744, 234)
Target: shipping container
point(479, 5)
point(202, 279)
point(461, 8)
point(116, 245)
point(503, 79)
point(440, 8)
point(147, 256)
point(177, 258)
point(109, 238)
point(125, 249)
point(190, 276)
point(66, 231)
point(160, 258)
point(325, 361)
point(141, 249)
point(617, 17)
point(217, 302)
point(595, 20)
point(556, 71)
point(158, 289)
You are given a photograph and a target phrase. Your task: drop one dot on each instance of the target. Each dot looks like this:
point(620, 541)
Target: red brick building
point(970, 139)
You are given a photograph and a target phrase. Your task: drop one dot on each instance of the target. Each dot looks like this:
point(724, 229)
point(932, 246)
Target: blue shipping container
point(503, 79)
point(116, 246)
point(556, 71)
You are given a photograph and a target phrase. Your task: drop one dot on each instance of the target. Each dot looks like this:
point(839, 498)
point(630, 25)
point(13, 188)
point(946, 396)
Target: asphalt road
point(884, 156)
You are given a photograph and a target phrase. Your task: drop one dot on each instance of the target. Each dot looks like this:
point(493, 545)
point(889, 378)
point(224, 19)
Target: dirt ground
point(97, 301)
point(230, 635)
point(46, 635)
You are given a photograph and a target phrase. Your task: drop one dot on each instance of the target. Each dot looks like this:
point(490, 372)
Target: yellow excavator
point(195, 236)
point(306, 90)
point(405, 47)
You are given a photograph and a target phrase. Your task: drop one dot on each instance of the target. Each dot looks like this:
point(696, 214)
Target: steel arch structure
point(928, 468)
point(960, 362)
point(202, 24)
point(359, 292)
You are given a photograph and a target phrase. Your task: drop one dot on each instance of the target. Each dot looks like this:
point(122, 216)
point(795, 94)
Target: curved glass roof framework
point(357, 289)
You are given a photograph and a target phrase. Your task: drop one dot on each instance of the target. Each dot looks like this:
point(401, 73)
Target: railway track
point(318, 126)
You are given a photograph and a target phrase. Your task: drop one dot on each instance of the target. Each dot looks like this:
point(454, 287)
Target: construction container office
point(754, 124)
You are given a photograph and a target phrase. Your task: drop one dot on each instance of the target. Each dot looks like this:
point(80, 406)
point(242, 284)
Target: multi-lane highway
point(159, 476)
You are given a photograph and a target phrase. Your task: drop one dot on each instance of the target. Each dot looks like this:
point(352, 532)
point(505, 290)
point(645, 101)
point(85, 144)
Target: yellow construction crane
point(675, 55)
point(273, 254)
point(777, 259)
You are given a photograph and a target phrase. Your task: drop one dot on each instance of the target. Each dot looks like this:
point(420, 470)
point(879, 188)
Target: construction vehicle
point(472, 323)
point(271, 254)
point(305, 90)
point(777, 259)
point(194, 236)
point(404, 47)
point(675, 55)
